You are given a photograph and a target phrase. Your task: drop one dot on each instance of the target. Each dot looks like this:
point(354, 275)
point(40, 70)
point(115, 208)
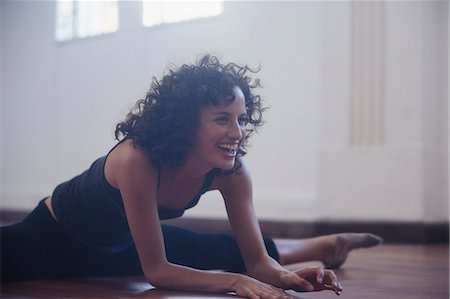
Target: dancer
point(186, 137)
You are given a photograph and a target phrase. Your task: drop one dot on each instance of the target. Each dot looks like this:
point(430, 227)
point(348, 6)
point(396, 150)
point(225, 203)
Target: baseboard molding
point(392, 232)
point(11, 216)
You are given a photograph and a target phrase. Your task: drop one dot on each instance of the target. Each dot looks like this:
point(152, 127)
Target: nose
point(236, 131)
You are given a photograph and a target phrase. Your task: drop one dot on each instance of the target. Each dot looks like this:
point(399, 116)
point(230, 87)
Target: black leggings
point(38, 248)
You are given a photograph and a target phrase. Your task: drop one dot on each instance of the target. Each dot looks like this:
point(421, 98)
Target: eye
point(242, 121)
point(222, 120)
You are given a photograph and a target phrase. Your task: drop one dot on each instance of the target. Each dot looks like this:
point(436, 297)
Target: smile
point(229, 149)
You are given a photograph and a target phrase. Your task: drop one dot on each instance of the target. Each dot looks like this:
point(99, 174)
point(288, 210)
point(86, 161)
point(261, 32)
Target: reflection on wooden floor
point(388, 271)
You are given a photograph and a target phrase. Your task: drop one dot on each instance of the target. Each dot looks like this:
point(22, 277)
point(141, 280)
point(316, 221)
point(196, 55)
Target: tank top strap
point(117, 144)
point(208, 180)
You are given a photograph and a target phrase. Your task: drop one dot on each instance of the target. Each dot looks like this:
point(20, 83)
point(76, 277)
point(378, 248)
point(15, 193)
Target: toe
point(347, 242)
point(371, 240)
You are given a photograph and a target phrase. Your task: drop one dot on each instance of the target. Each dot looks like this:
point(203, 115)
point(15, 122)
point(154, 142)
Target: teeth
point(229, 148)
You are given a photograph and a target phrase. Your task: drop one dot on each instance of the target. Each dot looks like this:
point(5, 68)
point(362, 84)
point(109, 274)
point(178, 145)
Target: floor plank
point(388, 271)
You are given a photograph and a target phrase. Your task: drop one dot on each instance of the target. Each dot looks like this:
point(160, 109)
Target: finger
point(330, 288)
point(332, 281)
point(300, 284)
point(330, 277)
point(319, 275)
point(272, 293)
point(252, 295)
point(278, 293)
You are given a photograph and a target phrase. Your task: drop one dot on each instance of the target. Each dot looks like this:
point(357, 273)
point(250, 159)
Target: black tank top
point(92, 211)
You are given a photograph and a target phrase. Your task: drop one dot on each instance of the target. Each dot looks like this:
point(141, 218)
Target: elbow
point(157, 282)
point(159, 277)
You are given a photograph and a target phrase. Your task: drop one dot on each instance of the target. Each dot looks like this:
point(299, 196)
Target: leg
point(38, 248)
point(27, 248)
point(331, 250)
point(206, 250)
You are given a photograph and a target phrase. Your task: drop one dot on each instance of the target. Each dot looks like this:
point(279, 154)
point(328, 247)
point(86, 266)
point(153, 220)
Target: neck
point(189, 171)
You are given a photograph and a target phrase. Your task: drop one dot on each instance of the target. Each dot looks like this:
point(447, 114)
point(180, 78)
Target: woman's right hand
point(248, 287)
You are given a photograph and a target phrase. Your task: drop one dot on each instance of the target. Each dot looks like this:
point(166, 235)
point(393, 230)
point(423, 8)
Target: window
point(159, 12)
point(79, 19)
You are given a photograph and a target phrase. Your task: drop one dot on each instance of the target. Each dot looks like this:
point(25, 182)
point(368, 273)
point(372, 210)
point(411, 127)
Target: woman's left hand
point(312, 279)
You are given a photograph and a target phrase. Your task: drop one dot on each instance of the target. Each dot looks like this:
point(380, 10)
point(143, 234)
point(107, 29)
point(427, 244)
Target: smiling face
point(221, 130)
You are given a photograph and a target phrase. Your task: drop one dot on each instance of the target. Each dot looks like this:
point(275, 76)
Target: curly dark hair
point(165, 122)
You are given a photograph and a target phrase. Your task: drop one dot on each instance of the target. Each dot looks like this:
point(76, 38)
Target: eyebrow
point(228, 113)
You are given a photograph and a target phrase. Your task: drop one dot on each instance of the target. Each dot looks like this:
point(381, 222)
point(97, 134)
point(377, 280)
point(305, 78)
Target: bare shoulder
point(127, 162)
point(127, 152)
point(238, 181)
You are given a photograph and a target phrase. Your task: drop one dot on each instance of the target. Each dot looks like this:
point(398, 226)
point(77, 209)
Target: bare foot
point(331, 250)
point(346, 242)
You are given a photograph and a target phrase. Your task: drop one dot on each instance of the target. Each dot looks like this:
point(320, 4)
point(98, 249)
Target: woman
point(186, 137)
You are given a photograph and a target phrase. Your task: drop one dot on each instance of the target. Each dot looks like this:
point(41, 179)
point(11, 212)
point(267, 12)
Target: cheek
point(244, 133)
point(207, 139)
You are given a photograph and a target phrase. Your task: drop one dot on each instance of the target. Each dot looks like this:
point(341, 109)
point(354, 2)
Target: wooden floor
point(388, 271)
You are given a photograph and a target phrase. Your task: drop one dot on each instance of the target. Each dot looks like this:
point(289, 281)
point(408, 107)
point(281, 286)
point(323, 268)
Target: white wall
point(1, 102)
point(435, 131)
point(62, 100)
point(384, 150)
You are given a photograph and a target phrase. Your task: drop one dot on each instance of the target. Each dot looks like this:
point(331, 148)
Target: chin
point(227, 166)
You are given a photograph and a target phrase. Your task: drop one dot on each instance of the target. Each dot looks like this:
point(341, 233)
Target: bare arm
point(136, 179)
point(237, 192)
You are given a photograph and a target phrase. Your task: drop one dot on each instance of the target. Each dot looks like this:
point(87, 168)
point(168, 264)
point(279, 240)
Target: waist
point(48, 204)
